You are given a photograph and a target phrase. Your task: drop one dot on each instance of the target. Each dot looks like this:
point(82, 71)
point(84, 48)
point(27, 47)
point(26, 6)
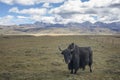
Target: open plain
point(38, 58)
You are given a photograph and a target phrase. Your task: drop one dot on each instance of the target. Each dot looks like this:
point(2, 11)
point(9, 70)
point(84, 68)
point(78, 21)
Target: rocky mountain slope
point(70, 28)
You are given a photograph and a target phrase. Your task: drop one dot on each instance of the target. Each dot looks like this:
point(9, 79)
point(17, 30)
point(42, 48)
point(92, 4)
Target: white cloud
point(21, 17)
point(48, 19)
point(6, 20)
point(29, 2)
point(75, 10)
point(68, 7)
point(31, 11)
point(36, 14)
point(10, 2)
point(46, 5)
point(14, 9)
point(81, 18)
point(13, 20)
point(98, 3)
point(51, 1)
point(25, 2)
point(69, 11)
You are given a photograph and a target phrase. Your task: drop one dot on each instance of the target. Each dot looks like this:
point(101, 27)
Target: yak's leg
point(83, 68)
point(71, 71)
point(70, 67)
point(90, 67)
point(90, 61)
point(75, 71)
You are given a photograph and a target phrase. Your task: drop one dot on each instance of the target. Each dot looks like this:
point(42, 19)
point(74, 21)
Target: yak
point(77, 57)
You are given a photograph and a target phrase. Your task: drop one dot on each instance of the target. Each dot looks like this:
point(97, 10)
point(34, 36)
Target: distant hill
point(69, 28)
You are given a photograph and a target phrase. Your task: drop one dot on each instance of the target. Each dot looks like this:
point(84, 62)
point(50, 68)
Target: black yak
point(77, 57)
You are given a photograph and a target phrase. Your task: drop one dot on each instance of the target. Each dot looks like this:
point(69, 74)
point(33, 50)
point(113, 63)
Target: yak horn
point(60, 48)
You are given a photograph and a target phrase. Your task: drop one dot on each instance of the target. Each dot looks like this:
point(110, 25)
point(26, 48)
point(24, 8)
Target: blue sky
point(58, 11)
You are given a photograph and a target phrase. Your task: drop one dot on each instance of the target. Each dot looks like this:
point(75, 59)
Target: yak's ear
point(73, 47)
point(72, 43)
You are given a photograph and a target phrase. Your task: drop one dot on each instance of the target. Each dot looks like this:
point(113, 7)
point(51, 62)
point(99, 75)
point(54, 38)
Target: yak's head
point(67, 53)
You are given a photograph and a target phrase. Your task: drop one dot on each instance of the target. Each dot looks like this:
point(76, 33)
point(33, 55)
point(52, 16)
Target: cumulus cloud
point(14, 9)
point(46, 5)
point(115, 5)
point(51, 1)
point(75, 10)
point(69, 11)
point(13, 20)
point(30, 11)
point(34, 14)
point(72, 6)
point(24, 2)
point(21, 17)
point(6, 20)
point(29, 2)
point(47, 19)
point(10, 2)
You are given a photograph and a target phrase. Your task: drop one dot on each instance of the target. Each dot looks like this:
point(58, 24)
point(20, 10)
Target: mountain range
point(87, 27)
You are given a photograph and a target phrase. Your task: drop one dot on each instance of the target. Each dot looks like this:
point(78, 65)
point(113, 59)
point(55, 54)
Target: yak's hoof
point(71, 72)
point(90, 70)
point(75, 73)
